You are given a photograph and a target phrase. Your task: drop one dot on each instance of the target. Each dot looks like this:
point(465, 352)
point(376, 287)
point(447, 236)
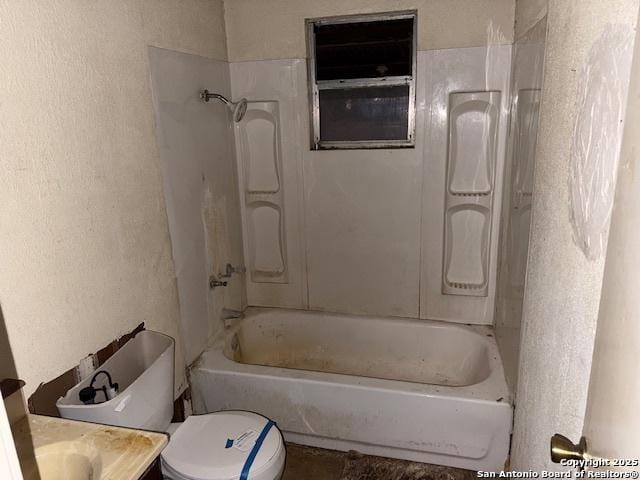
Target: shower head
point(238, 108)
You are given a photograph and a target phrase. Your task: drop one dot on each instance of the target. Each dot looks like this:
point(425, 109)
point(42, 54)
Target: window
point(362, 79)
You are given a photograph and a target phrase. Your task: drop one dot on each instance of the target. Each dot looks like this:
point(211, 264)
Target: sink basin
point(71, 460)
point(51, 448)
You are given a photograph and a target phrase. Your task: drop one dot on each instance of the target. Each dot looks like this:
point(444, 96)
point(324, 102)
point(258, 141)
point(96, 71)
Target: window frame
point(315, 86)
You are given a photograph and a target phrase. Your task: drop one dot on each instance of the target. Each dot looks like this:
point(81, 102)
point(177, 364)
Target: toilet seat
point(215, 446)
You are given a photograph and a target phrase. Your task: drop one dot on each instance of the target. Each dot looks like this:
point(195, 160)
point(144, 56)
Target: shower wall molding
point(268, 142)
point(260, 158)
point(470, 184)
point(464, 152)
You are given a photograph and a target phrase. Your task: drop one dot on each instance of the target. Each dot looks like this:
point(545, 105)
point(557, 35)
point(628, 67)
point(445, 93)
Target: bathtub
point(411, 389)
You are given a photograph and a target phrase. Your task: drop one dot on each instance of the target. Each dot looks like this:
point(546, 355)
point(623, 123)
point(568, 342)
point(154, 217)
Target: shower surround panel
point(408, 232)
point(464, 152)
point(200, 188)
point(268, 150)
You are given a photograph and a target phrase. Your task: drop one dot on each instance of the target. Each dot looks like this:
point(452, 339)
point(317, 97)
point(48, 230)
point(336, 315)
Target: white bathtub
point(412, 389)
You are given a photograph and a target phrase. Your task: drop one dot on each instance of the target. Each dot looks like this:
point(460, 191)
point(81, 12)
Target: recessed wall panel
point(259, 144)
point(473, 128)
point(465, 264)
point(260, 147)
point(471, 162)
point(267, 258)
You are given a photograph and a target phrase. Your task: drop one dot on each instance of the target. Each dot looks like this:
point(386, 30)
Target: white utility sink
point(57, 449)
point(70, 460)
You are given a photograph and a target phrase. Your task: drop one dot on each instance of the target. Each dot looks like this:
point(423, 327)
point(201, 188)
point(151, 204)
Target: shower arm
point(206, 95)
point(238, 108)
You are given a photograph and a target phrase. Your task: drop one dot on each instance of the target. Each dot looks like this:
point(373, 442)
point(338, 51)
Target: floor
point(306, 463)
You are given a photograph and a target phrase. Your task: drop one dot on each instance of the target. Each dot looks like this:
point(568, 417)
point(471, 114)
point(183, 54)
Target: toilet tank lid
point(215, 446)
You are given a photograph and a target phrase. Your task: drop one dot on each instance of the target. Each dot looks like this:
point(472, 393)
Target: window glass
point(362, 81)
point(364, 49)
point(364, 114)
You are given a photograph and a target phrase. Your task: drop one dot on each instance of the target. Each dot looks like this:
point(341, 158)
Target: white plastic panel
point(473, 129)
point(200, 189)
point(465, 263)
point(472, 142)
point(463, 162)
point(524, 149)
point(362, 219)
point(528, 109)
point(526, 81)
point(268, 142)
point(266, 233)
point(370, 225)
point(260, 147)
point(258, 135)
point(518, 247)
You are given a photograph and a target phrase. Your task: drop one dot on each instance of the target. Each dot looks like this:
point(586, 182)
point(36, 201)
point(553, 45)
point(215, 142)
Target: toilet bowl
point(217, 446)
point(229, 445)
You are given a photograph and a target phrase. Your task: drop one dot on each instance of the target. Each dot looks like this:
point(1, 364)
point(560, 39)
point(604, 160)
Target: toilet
point(227, 445)
point(216, 446)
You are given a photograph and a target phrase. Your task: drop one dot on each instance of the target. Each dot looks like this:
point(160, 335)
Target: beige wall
point(85, 253)
point(272, 29)
point(7, 364)
point(528, 13)
point(562, 294)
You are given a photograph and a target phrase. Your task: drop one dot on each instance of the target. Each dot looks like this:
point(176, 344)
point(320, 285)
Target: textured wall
point(270, 29)
point(85, 252)
point(7, 364)
point(563, 287)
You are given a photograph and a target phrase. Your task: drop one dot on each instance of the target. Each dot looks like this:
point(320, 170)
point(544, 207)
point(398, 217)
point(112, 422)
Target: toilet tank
point(143, 369)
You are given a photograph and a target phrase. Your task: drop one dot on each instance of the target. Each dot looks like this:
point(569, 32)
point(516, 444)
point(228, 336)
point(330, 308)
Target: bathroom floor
point(317, 464)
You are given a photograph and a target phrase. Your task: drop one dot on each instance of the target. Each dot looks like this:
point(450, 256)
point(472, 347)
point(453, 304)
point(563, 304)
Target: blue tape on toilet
point(254, 451)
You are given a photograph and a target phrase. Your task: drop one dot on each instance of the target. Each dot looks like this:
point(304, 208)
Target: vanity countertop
point(124, 454)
